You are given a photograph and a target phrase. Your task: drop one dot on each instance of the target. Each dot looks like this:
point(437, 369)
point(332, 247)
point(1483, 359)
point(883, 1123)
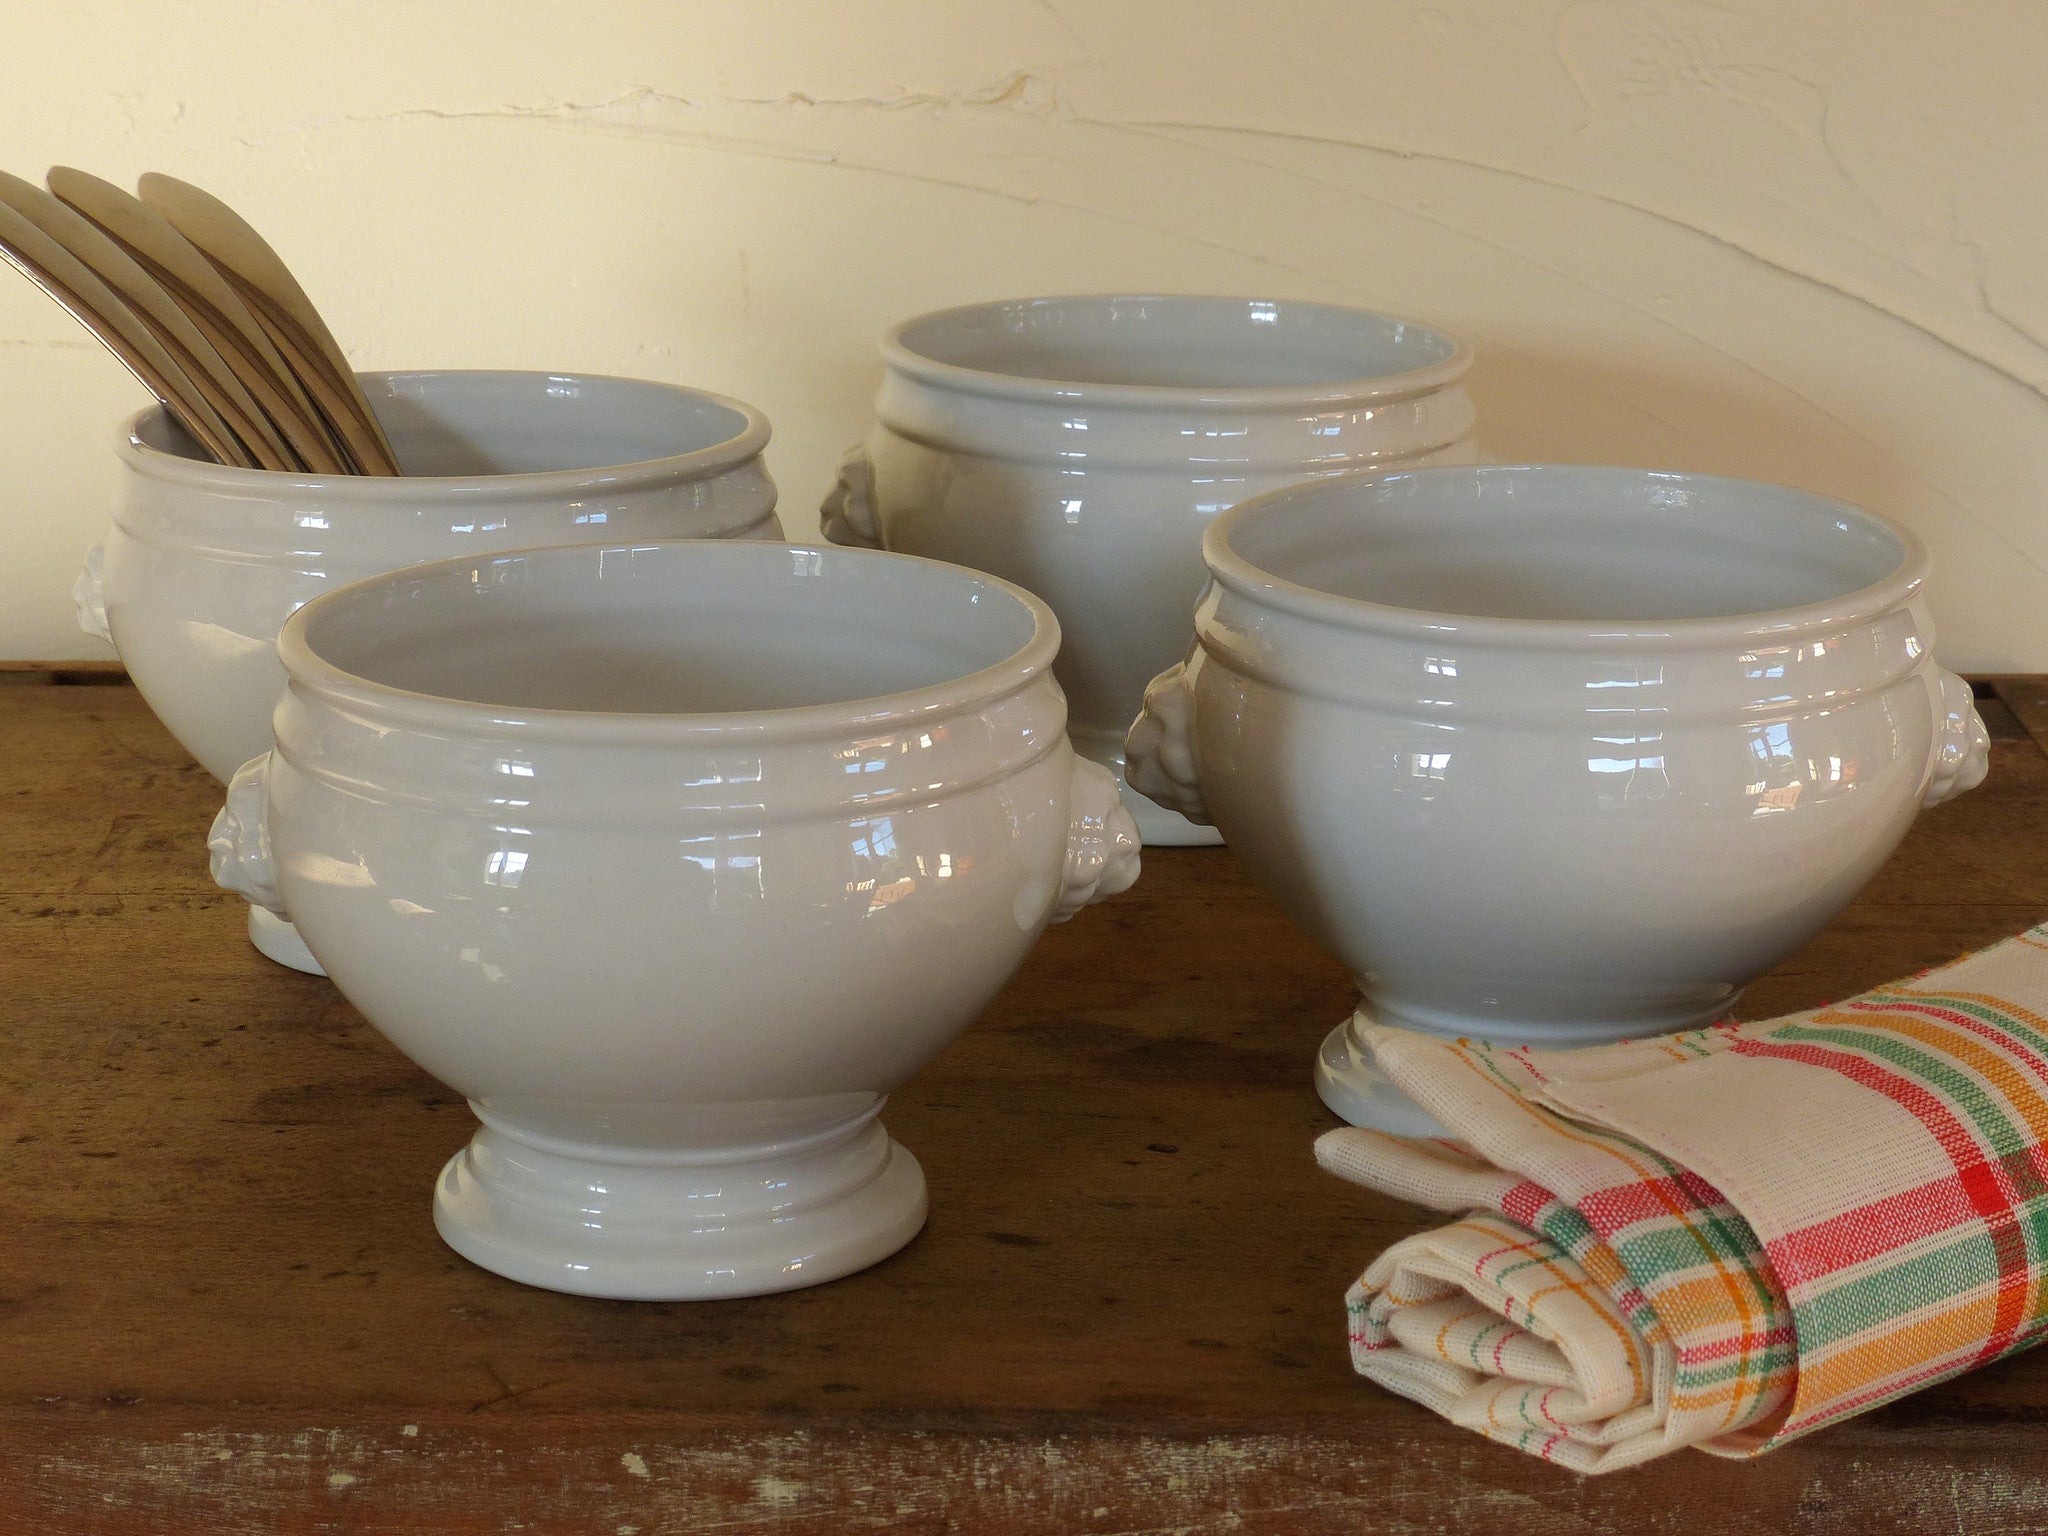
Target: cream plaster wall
point(1801, 242)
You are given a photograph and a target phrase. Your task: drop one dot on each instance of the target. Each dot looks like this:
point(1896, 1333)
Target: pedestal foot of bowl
point(278, 940)
point(644, 1225)
point(1357, 1091)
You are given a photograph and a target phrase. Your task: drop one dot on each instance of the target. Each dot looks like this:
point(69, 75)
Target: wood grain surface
point(223, 1307)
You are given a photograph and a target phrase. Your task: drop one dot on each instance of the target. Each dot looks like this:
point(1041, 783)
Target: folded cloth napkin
point(1726, 1238)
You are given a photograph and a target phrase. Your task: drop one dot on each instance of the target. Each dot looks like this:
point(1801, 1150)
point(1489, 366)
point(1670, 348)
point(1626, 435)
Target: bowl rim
point(232, 480)
point(1233, 571)
point(899, 357)
point(306, 669)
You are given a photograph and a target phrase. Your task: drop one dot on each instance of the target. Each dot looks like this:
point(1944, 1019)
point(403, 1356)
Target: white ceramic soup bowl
point(1079, 447)
point(1550, 755)
point(674, 859)
point(206, 561)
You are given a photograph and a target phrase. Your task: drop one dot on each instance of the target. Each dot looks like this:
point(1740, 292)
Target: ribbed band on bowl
point(1726, 1238)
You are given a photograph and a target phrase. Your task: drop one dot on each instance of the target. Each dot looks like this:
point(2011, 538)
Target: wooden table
point(223, 1307)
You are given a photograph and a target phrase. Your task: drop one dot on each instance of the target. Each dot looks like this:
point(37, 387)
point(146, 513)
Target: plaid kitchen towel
point(1725, 1238)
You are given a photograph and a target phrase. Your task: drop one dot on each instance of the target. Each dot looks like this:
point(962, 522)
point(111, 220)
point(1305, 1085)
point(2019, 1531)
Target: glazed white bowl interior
point(1562, 544)
point(1176, 342)
point(686, 628)
point(473, 424)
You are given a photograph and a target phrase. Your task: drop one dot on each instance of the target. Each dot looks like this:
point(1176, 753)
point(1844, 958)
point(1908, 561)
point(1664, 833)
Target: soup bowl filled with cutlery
point(674, 859)
point(270, 471)
point(206, 561)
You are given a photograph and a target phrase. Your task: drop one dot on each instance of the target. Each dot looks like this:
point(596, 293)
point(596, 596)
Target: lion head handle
point(239, 844)
point(1962, 746)
point(88, 594)
point(1102, 841)
point(847, 514)
point(1159, 753)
